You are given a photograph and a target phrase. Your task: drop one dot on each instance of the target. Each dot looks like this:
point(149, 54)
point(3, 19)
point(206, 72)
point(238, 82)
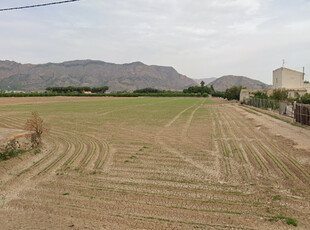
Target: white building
point(291, 80)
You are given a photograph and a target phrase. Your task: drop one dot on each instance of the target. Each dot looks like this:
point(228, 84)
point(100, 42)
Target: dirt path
point(300, 137)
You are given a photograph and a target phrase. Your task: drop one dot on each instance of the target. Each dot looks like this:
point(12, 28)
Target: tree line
point(192, 91)
point(78, 89)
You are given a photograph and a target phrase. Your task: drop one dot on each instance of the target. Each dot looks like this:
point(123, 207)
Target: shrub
point(233, 93)
point(37, 126)
point(10, 150)
point(280, 94)
point(305, 99)
point(261, 95)
point(289, 220)
point(218, 94)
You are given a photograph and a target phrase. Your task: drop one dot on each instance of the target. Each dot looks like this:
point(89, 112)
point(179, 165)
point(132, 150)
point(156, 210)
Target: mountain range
point(119, 77)
point(205, 80)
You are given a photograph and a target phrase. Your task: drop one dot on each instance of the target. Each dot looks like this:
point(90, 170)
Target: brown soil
point(169, 166)
point(34, 100)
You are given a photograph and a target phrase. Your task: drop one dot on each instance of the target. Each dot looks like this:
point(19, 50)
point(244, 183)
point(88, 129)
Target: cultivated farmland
point(155, 163)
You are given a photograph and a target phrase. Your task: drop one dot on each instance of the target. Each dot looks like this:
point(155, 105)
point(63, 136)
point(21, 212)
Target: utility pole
point(303, 72)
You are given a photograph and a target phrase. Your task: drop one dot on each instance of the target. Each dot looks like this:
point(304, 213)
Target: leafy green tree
point(233, 93)
point(102, 89)
point(261, 95)
point(218, 94)
point(75, 89)
point(212, 89)
point(280, 95)
point(305, 99)
point(202, 83)
point(198, 89)
point(148, 90)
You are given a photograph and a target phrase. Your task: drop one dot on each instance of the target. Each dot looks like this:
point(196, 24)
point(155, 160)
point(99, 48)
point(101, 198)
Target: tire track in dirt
point(158, 189)
point(178, 116)
point(159, 137)
point(87, 153)
point(282, 160)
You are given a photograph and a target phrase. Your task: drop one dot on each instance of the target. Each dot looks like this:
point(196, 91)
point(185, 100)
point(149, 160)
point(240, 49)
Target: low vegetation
point(36, 125)
point(10, 150)
point(305, 99)
point(282, 95)
point(13, 148)
point(149, 90)
point(288, 220)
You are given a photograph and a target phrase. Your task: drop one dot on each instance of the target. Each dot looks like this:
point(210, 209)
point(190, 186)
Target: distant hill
point(119, 77)
point(206, 80)
point(225, 82)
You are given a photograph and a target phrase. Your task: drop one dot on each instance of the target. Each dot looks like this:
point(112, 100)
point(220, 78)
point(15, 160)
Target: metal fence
point(262, 103)
point(302, 114)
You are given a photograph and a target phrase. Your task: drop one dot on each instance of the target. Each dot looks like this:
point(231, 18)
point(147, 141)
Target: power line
point(38, 5)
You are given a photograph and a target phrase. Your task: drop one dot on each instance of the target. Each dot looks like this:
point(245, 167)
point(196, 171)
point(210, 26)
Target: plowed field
point(155, 163)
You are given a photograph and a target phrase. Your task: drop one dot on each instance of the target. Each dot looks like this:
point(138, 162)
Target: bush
point(218, 94)
point(10, 150)
point(305, 99)
point(233, 93)
point(280, 95)
point(37, 126)
point(261, 95)
point(289, 220)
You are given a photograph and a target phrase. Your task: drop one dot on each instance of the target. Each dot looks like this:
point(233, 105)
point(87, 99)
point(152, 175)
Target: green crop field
point(152, 163)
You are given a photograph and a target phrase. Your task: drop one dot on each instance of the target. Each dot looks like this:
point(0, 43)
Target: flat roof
point(10, 134)
point(284, 68)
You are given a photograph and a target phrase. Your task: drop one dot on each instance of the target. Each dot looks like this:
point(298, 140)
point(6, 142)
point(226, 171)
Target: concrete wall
point(247, 93)
point(287, 78)
point(295, 93)
point(307, 87)
point(277, 78)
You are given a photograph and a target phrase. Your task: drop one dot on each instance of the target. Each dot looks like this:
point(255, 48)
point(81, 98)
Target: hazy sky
point(199, 38)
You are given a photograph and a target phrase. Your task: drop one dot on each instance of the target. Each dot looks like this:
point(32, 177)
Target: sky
point(199, 38)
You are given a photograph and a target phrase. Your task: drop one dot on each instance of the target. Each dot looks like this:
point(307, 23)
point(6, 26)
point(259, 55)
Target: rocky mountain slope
point(225, 82)
point(125, 77)
point(206, 80)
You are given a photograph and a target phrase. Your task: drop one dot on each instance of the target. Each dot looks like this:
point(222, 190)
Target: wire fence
point(302, 114)
point(262, 103)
